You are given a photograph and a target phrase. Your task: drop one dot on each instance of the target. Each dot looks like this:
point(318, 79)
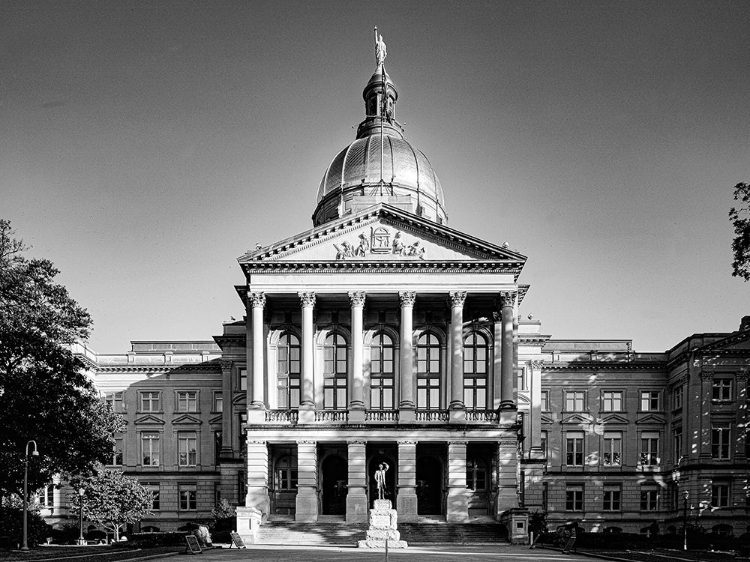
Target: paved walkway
point(443, 553)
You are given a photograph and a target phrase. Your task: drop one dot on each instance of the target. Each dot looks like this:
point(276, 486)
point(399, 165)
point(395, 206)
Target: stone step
point(340, 533)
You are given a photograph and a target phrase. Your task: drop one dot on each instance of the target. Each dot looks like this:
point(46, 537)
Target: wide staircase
point(331, 531)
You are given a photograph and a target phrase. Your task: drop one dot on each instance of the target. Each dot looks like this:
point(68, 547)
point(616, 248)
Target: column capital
point(457, 443)
point(357, 299)
point(742, 374)
point(407, 298)
point(306, 442)
point(537, 365)
point(457, 298)
point(508, 298)
point(356, 442)
point(226, 365)
point(307, 299)
point(257, 442)
point(707, 373)
point(407, 441)
point(257, 300)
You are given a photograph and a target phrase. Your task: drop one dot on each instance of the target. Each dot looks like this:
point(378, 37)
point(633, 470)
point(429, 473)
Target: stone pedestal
point(248, 523)
point(517, 522)
point(383, 525)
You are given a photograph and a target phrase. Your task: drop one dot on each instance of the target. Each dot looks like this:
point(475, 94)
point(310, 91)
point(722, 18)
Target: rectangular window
point(150, 448)
point(574, 449)
point(574, 497)
point(612, 401)
point(720, 440)
point(677, 443)
point(188, 449)
point(612, 497)
point(243, 379)
point(544, 443)
point(649, 499)
point(218, 403)
point(188, 497)
point(115, 401)
point(187, 401)
point(612, 448)
point(720, 495)
point(721, 389)
point(574, 400)
point(217, 446)
point(649, 400)
point(47, 497)
point(677, 397)
point(117, 452)
point(650, 448)
point(521, 378)
point(153, 488)
point(150, 402)
point(545, 400)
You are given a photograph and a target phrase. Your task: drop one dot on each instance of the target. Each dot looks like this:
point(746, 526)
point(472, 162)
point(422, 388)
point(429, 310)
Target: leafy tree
point(45, 394)
point(112, 500)
point(11, 523)
point(740, 217)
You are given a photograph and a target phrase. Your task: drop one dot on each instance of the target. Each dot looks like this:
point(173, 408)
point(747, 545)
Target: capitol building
point(382, 335)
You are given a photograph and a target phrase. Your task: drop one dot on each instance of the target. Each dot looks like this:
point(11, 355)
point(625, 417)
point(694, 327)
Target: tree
point(112, 499)
point(45, 394)
point(740, 217)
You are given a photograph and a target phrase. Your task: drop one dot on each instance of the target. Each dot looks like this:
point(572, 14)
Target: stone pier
point(383, 525)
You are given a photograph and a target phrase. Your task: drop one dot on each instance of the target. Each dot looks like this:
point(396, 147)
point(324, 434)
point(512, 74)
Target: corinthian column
point(507, 300)
point(307, 301)
point(406, 355)
point(457, 350)
point(257, 389)
point(356, 378)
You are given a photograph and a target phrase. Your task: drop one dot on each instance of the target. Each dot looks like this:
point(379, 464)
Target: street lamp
point(34, 453)
point(81, 491)
point(685, 518)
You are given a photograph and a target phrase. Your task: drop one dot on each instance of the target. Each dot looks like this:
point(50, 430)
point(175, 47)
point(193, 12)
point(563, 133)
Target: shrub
point(149, 540)
point(11, 527)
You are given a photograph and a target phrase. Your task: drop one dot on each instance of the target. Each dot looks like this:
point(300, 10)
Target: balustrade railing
point(432, 415)
point(481, 415)
point(282, 416)
point(381, 415)
point(330, 416)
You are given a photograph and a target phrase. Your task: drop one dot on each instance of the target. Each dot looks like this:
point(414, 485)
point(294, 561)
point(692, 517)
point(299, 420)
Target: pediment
point(382, 234)
point(650, 419)
point(216, 419)
point(547, 419)
point(577, 419)
point(240, 399)
point(739, 341)
point(149, 419)
point(614, 419)
point(186, 419)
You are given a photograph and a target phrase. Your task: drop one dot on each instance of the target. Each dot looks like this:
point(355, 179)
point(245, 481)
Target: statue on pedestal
point(380, 480)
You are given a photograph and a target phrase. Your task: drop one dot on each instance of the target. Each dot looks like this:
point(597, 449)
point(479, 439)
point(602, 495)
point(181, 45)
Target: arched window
point(288, 371)
point(286, 473)
point(476, 475)
point(475, 371)
point(335, 370)
point(381, 372)
point(429, 370)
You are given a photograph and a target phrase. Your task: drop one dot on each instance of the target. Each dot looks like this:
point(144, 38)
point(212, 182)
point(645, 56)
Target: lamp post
point(81, 491)
point(685, 519)
point(34, 453)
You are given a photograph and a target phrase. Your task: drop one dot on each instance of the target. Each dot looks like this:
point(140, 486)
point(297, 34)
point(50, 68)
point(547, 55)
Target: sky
point(144, 146)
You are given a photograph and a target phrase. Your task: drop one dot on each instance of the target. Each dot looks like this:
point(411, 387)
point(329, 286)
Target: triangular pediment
point(383, 234)
point(547, 419)
point(149, 419)
point(650, 419)
point(614, 419)
point(186, 419)
point(216, 419)
point(737, 341)
point(577, 419)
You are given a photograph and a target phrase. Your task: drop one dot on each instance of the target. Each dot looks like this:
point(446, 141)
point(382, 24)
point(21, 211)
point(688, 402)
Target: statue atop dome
point(380, 50)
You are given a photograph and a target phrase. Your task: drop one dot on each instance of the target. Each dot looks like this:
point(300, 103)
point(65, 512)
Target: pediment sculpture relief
point(379, 242)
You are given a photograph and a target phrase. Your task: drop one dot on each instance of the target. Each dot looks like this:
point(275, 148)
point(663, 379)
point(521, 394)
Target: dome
point(380, 166)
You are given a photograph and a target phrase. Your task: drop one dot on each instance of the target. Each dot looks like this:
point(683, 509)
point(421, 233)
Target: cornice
point(382, 266)
point(602, 366)
point(161, 369)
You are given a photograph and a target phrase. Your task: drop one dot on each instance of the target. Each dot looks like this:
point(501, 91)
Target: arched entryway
point(335, 479)
point(429, 485)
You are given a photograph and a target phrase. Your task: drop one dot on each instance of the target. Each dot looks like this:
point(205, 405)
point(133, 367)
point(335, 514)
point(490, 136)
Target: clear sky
point(144, 146)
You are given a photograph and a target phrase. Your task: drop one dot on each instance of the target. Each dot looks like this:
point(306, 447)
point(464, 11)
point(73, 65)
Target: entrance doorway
point(429, 486)
point(335, 477)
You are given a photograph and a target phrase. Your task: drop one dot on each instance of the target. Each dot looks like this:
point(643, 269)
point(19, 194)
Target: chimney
point(745, 323)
